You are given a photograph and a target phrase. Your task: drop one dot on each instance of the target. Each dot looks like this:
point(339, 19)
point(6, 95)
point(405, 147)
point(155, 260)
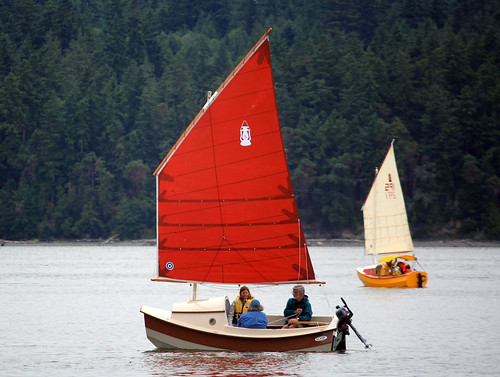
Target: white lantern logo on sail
point(245, 134)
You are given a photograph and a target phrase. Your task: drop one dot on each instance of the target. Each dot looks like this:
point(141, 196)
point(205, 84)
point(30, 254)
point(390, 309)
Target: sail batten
point(227, 200)
point(167, 280)
point(225, 204)
point(233, 249)
point(252, 223)
point(269, 177)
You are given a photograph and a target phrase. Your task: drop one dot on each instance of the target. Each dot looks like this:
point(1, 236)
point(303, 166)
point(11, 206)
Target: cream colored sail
point(384, 212)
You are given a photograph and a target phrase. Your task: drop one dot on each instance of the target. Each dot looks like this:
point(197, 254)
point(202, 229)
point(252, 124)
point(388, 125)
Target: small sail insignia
point(390, 189)
point(245, 137)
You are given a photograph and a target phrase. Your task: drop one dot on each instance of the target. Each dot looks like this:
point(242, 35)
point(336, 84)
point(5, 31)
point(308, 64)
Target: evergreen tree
point(93, 94)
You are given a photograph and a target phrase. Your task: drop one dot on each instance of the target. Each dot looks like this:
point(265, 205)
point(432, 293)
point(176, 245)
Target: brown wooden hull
point(164, 333)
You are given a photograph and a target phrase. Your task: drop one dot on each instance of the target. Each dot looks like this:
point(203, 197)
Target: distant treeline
point(93, 94)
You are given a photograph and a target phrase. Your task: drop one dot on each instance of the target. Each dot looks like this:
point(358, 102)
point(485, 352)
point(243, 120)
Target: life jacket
point(397, 270)
point(385, 269)
point(404, 267)
point(239, 308)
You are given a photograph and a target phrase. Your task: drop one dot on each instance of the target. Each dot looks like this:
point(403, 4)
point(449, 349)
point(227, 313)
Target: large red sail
point(226, 209)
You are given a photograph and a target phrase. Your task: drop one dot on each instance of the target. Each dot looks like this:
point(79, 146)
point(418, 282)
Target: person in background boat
point(240, 305)
point(387, 268)
point(254, 317)
point(404, 267)
point(297, 307)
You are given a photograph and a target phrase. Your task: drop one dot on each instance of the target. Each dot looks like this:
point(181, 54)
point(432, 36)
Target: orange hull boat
point(414, 279)
point(387, 232)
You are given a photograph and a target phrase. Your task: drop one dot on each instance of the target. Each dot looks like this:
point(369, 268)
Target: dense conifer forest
point(94, 93)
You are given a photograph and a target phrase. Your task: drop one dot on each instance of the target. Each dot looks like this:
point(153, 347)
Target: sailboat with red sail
point(226, 213)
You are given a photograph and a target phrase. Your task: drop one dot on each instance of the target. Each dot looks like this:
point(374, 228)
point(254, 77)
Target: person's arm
point(288, 309)
point(244, 320)
point(306, 313)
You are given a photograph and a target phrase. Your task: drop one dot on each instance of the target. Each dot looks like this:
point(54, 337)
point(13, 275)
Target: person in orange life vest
point(387, 268)
point(404, 267)
point(254, 317)
point(239, 305)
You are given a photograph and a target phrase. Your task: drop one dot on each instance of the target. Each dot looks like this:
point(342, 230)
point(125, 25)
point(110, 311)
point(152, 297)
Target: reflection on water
point(223, 363)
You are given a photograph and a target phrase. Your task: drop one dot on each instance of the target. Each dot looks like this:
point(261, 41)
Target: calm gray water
point(74, 311)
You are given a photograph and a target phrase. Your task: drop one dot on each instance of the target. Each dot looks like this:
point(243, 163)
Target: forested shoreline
point(93, 94)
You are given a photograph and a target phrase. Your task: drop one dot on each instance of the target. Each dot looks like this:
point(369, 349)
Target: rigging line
point(325, 295)
point(252, 179)
point(305, 254)
point(267, 282)
point(187, 231)
point(229, 247)
point(263, 176)
point(215, 203)
point(230, 200)
point(219, 197)
point(209, 110)
point(215, 164)
point(420, 265)
point(235, 250)
point(227, 225)
point(300, 253)
point(223, 239)
point(282, 319)
point(201, 149)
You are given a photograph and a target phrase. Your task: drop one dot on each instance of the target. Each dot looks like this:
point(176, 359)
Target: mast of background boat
point(374, 255)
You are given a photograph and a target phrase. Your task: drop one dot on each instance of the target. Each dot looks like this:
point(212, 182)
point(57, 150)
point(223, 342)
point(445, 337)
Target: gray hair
point(300, 288)
point(255, 308)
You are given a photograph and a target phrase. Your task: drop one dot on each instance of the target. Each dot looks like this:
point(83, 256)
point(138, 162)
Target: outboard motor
point(344, 315)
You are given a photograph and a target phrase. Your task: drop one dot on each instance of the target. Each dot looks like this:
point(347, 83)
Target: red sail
point(226, 209)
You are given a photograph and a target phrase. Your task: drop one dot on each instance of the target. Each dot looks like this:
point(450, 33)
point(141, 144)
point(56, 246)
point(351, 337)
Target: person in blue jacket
point(298, 308)
point(254, 317)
